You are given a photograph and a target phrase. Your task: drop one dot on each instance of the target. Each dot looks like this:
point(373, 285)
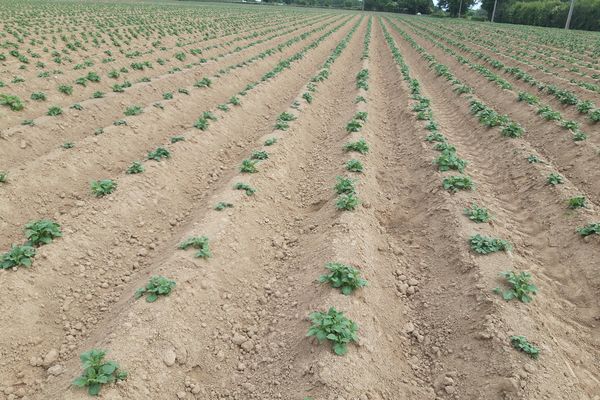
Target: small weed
point(103, 187)
point(477, 214)
point(97, 372)
point(522, 344)
point(199, 243)
point(554, 179)
point(244, 186)
point(343, 277)
point(456, 183)
point(41, 232)
point(17, 256)
point(136, 167)
point(577, 202)
point(249, 166)
point(359, 146)
point(335, 327)
point(486, 245)
point(223, 205)
point(520, 287)
point(156, 286)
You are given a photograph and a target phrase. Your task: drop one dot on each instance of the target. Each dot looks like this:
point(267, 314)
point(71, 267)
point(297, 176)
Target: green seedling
point(435, 137)
point(14, 102)
point(103, 187)
point(448, 160)
point(199, 243)
point(512, 130)
point(244, 186)
point(17, 256)
point(97, 372)
point(577, 202)
point(456, 183)
point(361, 116)
point(167, 96)
point(249, 166)
point(522, 344)
point(234, 100)
point(308, 97)
point(66, 89)
point(223, 107)
point(520, 287)
point(359, 146)
point(223, 205)
point(589, 229)
point(554, 179)
point(3, 176)
point(54, 111)
point(344, 185)
point(335, 327)
point(477, 214)
point(354, 166)
point(360, 99)
point(136, 167)
point(28, 122)
point(77, 107)
point(68, 145)
point(486, 245)
point(133, 110)
point(579, 136)
point(347, 202)
point(156, 286)
point(41, 232)
point(343, 277)
point(270, 141)
point(201, 123)
point(533, 159)
point(202, 83)
point(209, 116)
point(353, 126)
point(159, 154)
point(281, 125)
point(38, 96)
point(175, 139)
point(286, 116)
point(259, 155)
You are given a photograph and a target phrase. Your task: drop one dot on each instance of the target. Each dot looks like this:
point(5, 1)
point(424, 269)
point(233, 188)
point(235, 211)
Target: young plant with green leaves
point(14, 102)
point(234, 100)
point(223, 205)
point(270, 141)
point(335, 327)
point(577, 202)
point(54, 111)
point(343, 277)
point(520, 287)
point(455, 183)
point(136, 167)
point(103, 187)
point(159, 154)
point(133, 110)
point(245, 187)
point(17, 256)
point(199, 243)
point(359, 146)
point(347, 202)
point(589, 229)
point(177, 139)
point(477, 214)
point(554, 179)
point(156, 286)
point(486, 245)
point(354, 165)
point(97, 372)
point(522, 344)
point(249, 166)
point(259, 155)
point(3, 176)
point(449, 160)
point(41, 232)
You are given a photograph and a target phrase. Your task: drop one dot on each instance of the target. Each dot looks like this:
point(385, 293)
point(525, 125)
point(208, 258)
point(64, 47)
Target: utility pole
point(459, 8)
point(494, 11)
point(568, 24)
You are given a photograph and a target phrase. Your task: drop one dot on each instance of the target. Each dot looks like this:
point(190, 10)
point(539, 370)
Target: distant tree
point(453, 6)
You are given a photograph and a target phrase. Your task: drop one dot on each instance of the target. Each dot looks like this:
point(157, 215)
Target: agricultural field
point(204, 201)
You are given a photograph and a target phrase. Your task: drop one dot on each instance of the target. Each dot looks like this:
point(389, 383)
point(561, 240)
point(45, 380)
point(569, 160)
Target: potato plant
point(41, 232)
point(199, 243)
point(103, 187)
point(334, 327)
point(486, 245)
point(157, 286)
point(18, 256)
point(520, 287)
point(522, 344)
point(343, 277)
point(97, 372)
